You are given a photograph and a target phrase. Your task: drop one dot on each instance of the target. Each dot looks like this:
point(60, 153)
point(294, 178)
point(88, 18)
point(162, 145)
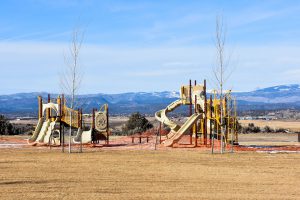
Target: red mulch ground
point(125, 142)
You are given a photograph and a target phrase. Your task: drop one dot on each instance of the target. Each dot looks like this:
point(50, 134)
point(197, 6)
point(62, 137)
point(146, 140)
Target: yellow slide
point(36, 131)
point(189, 95)
point(162, 115)
point(49, 131)
point(177, 131)
point(175, 136)
point(40, 132)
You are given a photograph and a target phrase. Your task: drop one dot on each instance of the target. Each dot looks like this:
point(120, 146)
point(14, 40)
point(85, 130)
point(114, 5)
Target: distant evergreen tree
point(3, 125)
point(136, 123)
point(6, 128)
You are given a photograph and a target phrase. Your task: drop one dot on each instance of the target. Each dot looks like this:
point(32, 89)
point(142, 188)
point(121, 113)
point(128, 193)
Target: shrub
point(6, 128)
point(280, 130)
point(136, 123)
point(268, 129)
point(251, 128)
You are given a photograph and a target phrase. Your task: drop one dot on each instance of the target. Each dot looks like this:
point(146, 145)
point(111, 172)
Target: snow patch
point(285, 89)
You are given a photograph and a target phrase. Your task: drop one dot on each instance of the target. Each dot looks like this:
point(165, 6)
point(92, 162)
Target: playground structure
point(204, 121)
point(54, 116)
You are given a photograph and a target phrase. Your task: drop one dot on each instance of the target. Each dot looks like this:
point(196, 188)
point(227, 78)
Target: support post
point(195, 125)
point(93, 124)
point(107, 125)
point(59, 116)
point(93, 119)
point(63, 99)
point(80, 126)
point(211, 117)
point(205, 115)
point(48, 109)
point(63, 139)
point(215, 124)
point(226, 116)
point(235, 119)
point(230, 118)
point(159, 132)
point(40, 103)
point(190, 109)
point(78, 118)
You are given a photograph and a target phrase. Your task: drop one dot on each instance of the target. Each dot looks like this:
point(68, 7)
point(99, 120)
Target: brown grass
point(273, 139)
point(139, 174)
point(274, 124)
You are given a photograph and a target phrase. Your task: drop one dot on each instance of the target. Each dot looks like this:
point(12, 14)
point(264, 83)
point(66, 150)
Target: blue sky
point(147, 45)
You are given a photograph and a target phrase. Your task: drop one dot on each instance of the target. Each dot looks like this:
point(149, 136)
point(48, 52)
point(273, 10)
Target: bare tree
point(220, 70)
point(72, 76)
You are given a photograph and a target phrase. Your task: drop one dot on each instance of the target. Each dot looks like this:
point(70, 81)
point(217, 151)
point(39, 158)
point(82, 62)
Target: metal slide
point(175, 136)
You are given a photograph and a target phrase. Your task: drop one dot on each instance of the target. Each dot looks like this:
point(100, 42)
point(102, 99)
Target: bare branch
point(71, 77)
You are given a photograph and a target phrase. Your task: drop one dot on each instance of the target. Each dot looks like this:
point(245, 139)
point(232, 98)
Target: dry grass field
point(136, 171)
point(272, 139)
point(165, 174)
point(274, 124)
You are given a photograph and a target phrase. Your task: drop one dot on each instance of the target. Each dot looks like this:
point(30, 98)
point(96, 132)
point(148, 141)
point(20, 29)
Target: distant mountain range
point(271, 98)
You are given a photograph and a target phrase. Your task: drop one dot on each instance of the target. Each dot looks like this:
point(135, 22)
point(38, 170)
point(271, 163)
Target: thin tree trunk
point(70, 132)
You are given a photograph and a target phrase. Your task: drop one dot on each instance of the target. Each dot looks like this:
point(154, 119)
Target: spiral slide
point(189, 95)
point(162, 115)
point(177, 131)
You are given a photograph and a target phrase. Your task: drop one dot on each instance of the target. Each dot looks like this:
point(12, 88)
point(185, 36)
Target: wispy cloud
point(36, 36)
point(255, 14)
point(125, 7)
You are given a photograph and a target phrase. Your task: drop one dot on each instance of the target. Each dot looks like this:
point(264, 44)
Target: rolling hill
point(271, 98)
